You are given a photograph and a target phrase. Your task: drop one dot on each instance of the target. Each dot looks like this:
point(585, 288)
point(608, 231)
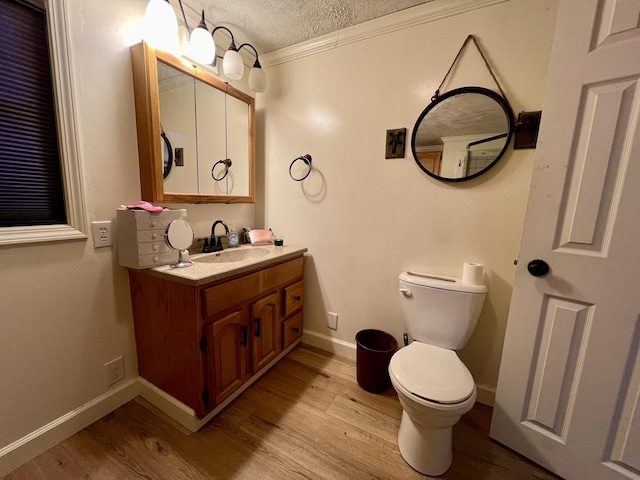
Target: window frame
point(68, 144)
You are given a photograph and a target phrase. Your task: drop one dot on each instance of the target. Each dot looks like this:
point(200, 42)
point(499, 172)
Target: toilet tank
point(438, 310)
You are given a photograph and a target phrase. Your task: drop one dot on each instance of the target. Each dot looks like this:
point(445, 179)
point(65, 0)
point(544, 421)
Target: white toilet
point(434, 387)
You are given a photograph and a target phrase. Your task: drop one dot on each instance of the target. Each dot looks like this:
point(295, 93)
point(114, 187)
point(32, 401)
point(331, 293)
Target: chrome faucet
point(215, 243)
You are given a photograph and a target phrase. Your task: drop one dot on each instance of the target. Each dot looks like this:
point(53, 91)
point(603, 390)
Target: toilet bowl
point(435, 389)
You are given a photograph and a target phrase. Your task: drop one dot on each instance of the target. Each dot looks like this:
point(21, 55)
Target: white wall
point(65, 307)
point(365, 219)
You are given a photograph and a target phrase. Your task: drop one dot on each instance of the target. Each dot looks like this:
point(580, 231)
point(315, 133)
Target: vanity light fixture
point(257, 77)
point(201, 46)
point(232, 64)
point(161, 32)
point(160, 26)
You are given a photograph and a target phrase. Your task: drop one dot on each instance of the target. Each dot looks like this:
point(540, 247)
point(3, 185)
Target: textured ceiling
point(274, 24)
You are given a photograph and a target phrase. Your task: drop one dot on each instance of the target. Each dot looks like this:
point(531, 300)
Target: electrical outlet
point(114, 370)
point(102, 234)
point(332, 320)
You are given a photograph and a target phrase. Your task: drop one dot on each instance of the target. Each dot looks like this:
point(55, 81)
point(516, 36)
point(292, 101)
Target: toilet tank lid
point(441, 282)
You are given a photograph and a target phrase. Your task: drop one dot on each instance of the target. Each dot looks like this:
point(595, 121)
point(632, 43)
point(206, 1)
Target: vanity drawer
point(291, 329)
point(293, 298)
point(232, 292)
point(228, 294)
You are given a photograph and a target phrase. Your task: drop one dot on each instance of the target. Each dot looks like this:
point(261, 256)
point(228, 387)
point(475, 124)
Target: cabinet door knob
point(297, 298)
point(257, 332)
point(296, 329)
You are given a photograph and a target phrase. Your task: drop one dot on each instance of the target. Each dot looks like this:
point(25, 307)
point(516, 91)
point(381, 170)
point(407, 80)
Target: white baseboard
point(486, 394)
point(185, 415)
point(42, 439)
point(329, 344)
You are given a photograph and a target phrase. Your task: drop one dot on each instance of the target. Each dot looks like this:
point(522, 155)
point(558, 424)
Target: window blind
point(31, 188)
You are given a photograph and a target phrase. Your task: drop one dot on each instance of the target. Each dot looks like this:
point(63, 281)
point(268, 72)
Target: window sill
point(45, 233)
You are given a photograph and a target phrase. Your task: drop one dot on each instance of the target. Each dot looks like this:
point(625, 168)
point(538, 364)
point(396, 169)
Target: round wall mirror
point(462, 134)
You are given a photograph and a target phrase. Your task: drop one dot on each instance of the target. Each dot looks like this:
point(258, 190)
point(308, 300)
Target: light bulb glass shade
point(201, 46)
point(160, 26)
point(257, 80)
point(232, 65)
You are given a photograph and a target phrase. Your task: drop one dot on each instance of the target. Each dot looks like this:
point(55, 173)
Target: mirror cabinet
point(195, 132)
point(462, 133)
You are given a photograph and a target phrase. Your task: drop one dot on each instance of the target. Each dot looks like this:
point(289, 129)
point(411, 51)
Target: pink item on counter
point(261, 237)
point(146, 206)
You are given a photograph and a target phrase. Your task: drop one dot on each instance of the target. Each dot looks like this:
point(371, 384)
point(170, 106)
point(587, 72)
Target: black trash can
point(374, 351)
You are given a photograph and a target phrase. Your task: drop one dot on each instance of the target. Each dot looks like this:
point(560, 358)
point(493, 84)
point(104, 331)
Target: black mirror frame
point(480, 90)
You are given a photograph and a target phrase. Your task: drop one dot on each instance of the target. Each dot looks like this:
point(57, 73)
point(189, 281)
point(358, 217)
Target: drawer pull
point(257, 332)
point(243, 342)
point(297, 298)
point(296, 329)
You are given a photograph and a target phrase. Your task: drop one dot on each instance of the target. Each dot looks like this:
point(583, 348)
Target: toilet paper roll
point(473, 273)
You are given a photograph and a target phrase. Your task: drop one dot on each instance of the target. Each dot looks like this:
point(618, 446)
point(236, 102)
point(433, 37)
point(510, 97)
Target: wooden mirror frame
point(147, 102)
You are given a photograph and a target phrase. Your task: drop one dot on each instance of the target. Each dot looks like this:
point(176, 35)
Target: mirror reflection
point(213, 131)
point(462, 133)
point(177, 98)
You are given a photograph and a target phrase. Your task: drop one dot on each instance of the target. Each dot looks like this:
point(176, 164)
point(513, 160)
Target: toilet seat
point(432, 373)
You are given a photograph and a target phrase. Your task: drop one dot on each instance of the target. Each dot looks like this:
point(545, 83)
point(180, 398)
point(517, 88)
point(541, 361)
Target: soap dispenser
point(233, 238)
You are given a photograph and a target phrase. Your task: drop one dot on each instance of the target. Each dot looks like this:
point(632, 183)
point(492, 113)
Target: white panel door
point(569, 382)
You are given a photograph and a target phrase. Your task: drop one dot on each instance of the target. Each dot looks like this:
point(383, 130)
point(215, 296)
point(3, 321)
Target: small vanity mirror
point(462, 134)
point(188, 121)
point(179, 236)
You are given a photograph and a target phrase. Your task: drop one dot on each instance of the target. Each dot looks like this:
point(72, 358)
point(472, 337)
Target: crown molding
point(410, 17)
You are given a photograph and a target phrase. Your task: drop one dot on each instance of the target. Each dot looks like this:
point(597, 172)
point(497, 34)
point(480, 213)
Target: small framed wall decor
point(527, 127)
point(395, 143)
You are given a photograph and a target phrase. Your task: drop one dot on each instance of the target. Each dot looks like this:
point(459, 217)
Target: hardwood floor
point(306, 418)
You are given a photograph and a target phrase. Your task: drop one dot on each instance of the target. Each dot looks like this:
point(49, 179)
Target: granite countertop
point(200, 273)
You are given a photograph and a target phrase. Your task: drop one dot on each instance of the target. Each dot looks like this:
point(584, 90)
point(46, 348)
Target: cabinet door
point(227, 355)
point(266, 334)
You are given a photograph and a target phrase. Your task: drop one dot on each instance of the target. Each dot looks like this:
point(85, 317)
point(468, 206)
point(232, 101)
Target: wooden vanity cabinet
point(200, 344)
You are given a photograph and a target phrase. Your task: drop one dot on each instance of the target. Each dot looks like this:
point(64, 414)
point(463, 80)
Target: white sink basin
point(227, 256)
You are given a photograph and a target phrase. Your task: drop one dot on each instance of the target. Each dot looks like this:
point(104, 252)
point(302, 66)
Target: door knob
point(538, 268)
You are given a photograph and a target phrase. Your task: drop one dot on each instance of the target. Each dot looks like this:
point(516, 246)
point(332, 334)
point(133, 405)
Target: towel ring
point(307, 160)
point(227, 164)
